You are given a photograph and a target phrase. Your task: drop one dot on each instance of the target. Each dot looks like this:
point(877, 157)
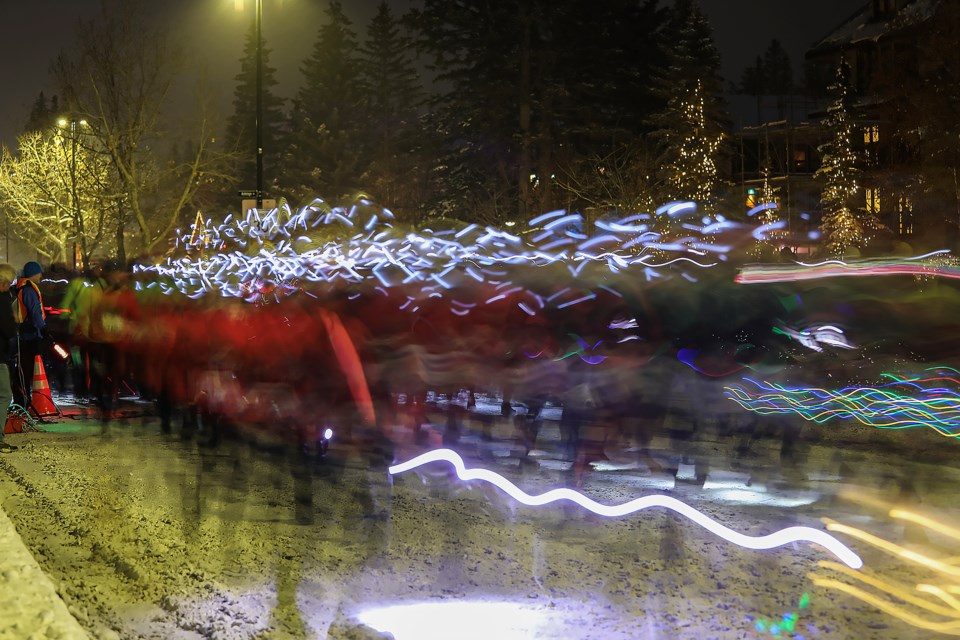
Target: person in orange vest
point(33, 330)
point(8, 335)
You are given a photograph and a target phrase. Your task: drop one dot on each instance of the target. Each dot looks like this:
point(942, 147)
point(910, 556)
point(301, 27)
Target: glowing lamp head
point(328, 434)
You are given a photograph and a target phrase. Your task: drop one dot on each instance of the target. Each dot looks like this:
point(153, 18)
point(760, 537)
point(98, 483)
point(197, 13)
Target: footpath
point(31, 609)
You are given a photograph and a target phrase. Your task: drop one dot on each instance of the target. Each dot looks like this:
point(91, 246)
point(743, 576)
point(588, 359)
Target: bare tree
point(119, 77)
point(624, 179)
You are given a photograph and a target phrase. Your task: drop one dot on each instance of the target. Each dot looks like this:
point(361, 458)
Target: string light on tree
point(844, 226)
point(768, 215)
point(690, 128)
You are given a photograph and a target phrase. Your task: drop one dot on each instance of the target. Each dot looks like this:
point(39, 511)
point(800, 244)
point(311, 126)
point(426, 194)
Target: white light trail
point(769, 541)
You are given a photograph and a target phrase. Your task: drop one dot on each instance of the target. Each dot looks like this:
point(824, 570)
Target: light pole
point(258, 21)
point(72, 125)
point(259, 105)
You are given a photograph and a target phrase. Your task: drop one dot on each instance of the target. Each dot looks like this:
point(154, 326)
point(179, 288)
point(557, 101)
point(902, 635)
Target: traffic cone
point(42, 400)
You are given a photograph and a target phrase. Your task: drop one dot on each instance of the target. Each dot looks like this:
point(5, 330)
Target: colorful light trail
point(929, 264)
point(904, 403)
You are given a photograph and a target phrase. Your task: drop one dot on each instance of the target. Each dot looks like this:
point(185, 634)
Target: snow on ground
point(150, 537)
point(31, 608)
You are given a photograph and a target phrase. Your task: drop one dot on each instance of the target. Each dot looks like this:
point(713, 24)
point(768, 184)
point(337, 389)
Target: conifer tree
point(771, 74)
point(43, 114)
point(242, 125)
point(325, 157)
point(392, 97)
point(753, 80)
point(690, 128)
point(844, 225)
point(778, 69)
point(473, 47)
point(532, 90)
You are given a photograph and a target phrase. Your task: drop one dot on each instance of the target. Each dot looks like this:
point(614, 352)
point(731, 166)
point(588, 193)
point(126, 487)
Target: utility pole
point(72, 125)
point(259, 105)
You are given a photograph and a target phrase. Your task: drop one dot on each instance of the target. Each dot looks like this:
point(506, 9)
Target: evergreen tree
point(43, 114)
point(392, 97)
point(753, 80)
point(843, 225)
point(325, 157)
point(778, 70)
point(770, 74)
point(521, 104)
point(242, 125)
point(598, 101)
point(691, 127)
point(474, 50)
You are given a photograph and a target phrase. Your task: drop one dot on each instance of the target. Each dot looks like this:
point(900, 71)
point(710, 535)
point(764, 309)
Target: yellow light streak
point(932, 604)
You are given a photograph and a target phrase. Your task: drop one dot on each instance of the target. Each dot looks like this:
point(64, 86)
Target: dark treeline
point(495, 111)
point(476, 111)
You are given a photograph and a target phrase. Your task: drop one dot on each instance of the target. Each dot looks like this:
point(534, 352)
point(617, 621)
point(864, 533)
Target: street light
point(259, 106)
point(72, 125)
point(238, 4)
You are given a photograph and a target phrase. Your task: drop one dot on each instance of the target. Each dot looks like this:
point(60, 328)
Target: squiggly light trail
point(936, 408)
point(770, 541)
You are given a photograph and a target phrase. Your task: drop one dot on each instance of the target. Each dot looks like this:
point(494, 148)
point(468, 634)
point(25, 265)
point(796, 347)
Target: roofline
point(818, 46)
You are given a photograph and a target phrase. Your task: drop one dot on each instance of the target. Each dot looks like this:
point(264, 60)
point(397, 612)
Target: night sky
point(212, 31)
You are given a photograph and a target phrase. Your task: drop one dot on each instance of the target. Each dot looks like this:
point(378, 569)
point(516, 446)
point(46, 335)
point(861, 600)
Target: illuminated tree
point(762, 247)
point(844, 225)
point(41, 204)
point(690, 128)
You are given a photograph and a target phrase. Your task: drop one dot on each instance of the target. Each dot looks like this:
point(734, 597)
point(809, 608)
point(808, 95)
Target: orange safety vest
point(21, 308)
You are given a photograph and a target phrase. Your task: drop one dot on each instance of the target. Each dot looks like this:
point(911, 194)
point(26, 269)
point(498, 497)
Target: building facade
point(901, 55)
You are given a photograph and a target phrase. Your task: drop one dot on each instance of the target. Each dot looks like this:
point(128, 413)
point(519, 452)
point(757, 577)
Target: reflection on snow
point(753, 496)
point(438, 620)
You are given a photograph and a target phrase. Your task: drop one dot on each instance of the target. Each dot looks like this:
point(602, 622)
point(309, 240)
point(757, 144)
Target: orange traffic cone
point(41, 400)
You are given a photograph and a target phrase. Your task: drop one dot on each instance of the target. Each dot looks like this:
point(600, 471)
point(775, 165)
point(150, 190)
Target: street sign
point(249, 193)
point(268, 203)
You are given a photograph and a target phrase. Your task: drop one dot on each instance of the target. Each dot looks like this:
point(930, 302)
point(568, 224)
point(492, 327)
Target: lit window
point(800, 160)
point(873, 200)
point(905, 214)
point(871, 134)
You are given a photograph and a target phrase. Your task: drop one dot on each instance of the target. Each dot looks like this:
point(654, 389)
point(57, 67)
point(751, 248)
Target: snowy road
point(150, 537)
